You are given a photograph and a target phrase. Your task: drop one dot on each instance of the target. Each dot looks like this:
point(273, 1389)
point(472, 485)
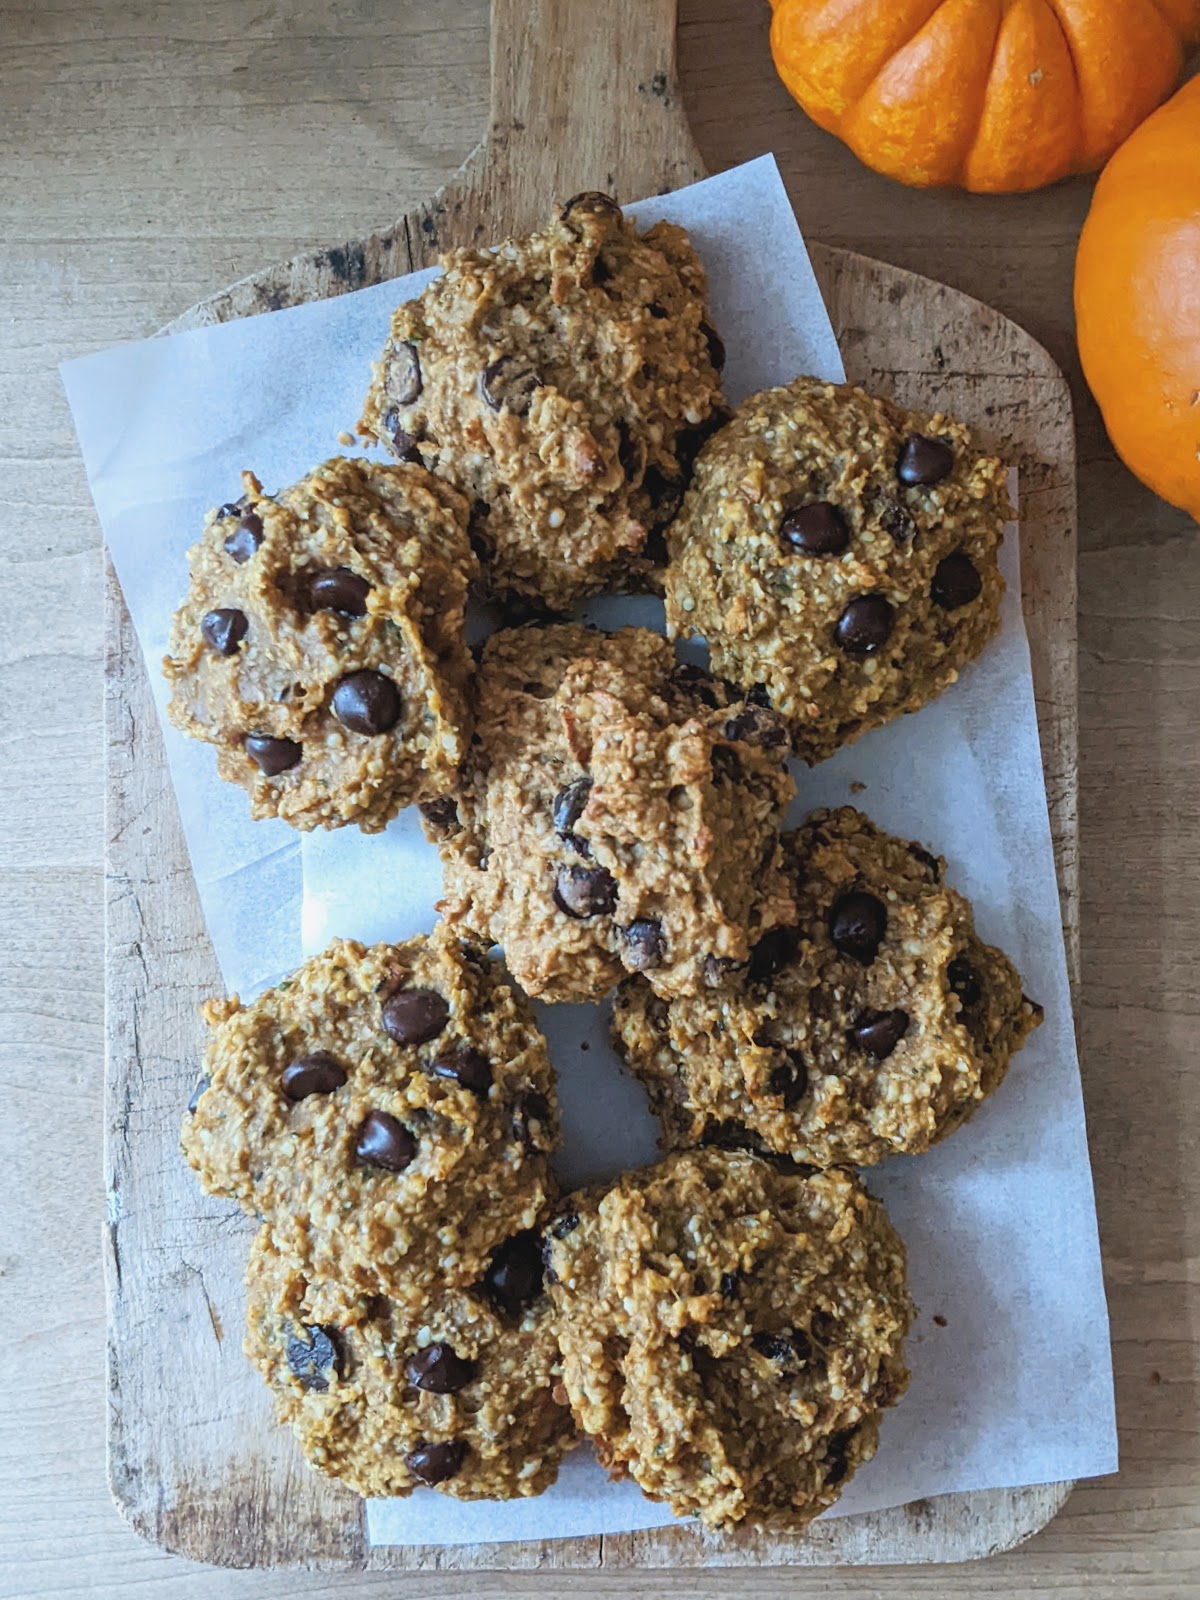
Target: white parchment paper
point(1016, 1386)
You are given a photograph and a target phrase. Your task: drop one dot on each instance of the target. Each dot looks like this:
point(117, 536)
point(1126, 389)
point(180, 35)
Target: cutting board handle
point(584, 95)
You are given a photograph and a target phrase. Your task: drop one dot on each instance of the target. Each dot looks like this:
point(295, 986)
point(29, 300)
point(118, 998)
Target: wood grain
point(571, 110)
point(146, 162)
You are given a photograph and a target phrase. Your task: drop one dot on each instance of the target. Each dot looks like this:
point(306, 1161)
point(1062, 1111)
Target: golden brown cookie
point(731, 1330)
point(618, 813)
point(397, 1102)
point(563, 382)
point(874, 1027)
point(840, 552)
point(320, 647)
point(454, 1392)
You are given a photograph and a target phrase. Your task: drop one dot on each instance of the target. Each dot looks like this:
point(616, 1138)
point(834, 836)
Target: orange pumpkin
point(1137, 300)
point(991, 95)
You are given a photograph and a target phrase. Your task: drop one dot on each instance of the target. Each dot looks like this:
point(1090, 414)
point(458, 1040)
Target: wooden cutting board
point(584, 95)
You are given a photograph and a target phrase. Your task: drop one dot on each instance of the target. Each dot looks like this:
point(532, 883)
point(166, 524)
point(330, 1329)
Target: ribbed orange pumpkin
point(1137, 300)
point(991, 95)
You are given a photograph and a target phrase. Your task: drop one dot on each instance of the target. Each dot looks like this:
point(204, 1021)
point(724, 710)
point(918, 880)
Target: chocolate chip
point(569, 805)
point(201, 1085)
point(514, 1274)
point(772, 952)
point(383, 1142)
point(726, 764)
point(758, 725)
point(716, 345)
point(403, 443)
point(271, 756)
point(591, 202)
point(715, 969)
point(439, 1369)
point(818, 529)
point(700, 684)
point(585, 891)
point(367, 702)
point(318, 1073)
point(434, 1463)
point(857, 924)
point(865, 626)
point(413, 1016)
point(312, 1354)
point(403, 382)
point(775, 1346)
point(531, 1120)
point(338, 589)
point(509, 384)
point(834, 1460)
point(927, 859)
point(964, 982)
point(467, 1068)
point(231, 508)
point(894, 519)
point(440, 814)
point(924, 461)
point(956, 582)
point(879, 1032)
point(789, 1080)
point(245, 539)
point(730, 1283)
point(601, 271)
point(565, 1223)
point(645, 945)
point(224, 630)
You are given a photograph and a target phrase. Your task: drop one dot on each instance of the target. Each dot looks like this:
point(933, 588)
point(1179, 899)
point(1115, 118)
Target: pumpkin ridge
point(885, 63)
point(1170, 21)
point(1069, 43)
point(969, 148)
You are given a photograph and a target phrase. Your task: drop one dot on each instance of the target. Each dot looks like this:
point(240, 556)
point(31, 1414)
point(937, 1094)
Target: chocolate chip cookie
point(877, 1025)
point(397, 1101)
point(731, 1331)
point(454, 1392)
point(841, 553)
point(618, 813)
point(320, 647)
point(563, 382)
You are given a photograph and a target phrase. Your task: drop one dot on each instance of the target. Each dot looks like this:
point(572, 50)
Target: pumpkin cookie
point(840, 553)
point(731, 1331)
point(876, 1026)
point(454, 1392)
point(564, 383)
point(320, 647)
point(618, 813)
point(396, 1102)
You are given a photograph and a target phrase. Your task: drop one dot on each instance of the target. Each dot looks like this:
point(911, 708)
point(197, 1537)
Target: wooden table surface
point(149, 153)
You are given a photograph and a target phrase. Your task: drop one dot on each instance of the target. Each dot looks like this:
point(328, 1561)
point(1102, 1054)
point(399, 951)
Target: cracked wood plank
point(196, 1462)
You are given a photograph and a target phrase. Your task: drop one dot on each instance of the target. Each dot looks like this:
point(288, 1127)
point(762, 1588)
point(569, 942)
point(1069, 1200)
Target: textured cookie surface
point(876, 1026)
point(563, 382)
point(454, 1392)
point(320, 646)
point(841, 552)
point(397, 1102)
point(731, 1331)
point(618, 813)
